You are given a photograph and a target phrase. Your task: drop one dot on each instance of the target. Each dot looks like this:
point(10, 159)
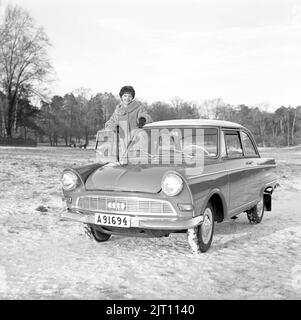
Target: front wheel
point(200, 237)
point(255, 214)
point(94, 234)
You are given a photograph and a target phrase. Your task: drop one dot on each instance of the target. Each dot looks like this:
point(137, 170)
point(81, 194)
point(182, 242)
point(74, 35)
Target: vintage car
point(186, 176)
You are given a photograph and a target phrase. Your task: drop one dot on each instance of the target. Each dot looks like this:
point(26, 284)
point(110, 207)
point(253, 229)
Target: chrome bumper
point(142, 222)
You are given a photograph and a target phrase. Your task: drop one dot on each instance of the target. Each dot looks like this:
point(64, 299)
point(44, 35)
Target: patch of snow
point(43, 257)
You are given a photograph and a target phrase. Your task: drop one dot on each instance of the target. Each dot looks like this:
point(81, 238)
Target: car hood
point(127, 178)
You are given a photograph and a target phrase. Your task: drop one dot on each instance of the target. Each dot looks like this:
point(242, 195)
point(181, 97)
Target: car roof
point(194, 122)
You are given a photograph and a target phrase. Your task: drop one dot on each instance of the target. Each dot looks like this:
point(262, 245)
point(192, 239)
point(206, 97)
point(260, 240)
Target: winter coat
point(129, 114)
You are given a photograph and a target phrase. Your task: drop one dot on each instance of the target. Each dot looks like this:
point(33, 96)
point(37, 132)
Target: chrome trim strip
point(232, 170)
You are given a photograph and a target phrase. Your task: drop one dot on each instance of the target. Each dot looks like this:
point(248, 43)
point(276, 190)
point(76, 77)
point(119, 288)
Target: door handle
point(249, 162)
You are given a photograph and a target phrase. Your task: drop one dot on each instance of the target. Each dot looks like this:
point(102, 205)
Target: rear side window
point(233, 144)
point(248, 145)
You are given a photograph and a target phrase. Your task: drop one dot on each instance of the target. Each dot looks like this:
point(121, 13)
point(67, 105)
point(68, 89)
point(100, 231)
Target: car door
point(235, 164)
point(253, 171)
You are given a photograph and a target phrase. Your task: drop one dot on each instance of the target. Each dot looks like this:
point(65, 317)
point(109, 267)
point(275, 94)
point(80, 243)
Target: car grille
point(124, 205)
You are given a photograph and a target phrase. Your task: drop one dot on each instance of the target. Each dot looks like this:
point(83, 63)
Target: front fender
point(202, 203)
point(84, 172)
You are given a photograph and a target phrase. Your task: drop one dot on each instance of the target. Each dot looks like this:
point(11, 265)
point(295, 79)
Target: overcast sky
point(244, 51)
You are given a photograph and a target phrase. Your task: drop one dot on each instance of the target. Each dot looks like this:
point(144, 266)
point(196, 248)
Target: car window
point(248, 145)
point(207, 141)
point(233, 144)
point(174, 145)
point(204, 140)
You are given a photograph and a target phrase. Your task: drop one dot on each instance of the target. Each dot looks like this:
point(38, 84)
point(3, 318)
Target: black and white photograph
point(150, 150)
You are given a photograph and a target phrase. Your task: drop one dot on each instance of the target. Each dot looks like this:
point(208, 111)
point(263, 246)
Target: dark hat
point(127, 89)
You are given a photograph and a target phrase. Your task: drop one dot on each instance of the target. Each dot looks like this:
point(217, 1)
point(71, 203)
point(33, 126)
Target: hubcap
point(206, 226)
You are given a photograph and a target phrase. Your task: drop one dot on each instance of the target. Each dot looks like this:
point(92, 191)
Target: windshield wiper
point(152, 156)
point(181, 151)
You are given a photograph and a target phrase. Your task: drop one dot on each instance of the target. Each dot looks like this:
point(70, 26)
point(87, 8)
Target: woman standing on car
point(129, 112)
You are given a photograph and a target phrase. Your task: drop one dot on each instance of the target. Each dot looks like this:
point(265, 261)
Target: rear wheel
point(200, 237)
point(255, 214)
point(94, 234)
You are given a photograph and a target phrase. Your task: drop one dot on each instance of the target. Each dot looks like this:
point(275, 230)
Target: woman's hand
point(141, 122)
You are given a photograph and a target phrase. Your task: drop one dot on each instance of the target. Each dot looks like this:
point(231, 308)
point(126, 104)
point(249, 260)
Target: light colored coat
point(129, 114)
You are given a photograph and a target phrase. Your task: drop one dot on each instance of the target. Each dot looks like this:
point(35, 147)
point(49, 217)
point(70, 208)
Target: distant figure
point(85, 146)
point(74, 145)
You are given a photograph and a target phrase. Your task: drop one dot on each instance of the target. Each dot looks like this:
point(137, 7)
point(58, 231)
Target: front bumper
point(143, 222)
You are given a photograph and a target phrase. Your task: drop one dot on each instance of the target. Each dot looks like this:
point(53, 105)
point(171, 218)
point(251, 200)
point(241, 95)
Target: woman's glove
point(141, 122)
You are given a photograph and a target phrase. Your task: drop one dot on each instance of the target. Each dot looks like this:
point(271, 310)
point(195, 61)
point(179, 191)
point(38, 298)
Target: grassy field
point(43, 257)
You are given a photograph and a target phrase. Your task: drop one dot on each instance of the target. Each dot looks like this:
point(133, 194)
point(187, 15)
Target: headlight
point(172, 184)
point(69, 180)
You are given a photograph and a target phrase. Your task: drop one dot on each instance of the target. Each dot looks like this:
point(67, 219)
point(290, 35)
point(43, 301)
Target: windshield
point(175, 146)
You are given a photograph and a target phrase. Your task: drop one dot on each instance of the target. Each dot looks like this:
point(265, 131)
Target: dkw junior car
point(171, 176)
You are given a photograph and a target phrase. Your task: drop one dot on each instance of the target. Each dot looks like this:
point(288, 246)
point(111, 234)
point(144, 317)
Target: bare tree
point(210, 108)
point(24, 64)
point(3, 107)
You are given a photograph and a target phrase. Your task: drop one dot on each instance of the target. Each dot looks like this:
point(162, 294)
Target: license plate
point(112, 220)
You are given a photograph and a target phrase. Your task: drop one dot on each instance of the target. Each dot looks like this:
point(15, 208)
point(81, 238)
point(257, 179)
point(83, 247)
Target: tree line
point(25, 73)
point(77, 116)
